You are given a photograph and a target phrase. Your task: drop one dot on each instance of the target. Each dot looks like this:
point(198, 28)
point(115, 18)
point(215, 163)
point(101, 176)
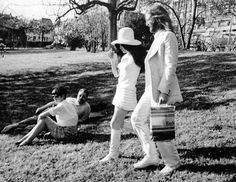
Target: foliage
point(9, 21)
point(217, 42)
point(137, 22)
point(214, 42)
point(70, 32)
point(115, 8)
point(85, 29)
point(40, 26)
point(12, 30)
point(205, 122)
point(95, 28)
point(74, 42)
point(189, 15)
point(223, 7)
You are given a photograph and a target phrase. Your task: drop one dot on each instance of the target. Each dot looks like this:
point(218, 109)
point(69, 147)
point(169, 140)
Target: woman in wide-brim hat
point(127, 60)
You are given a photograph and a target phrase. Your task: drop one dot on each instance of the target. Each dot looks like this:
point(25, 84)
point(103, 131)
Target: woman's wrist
point(165, 94)
point(162, 93)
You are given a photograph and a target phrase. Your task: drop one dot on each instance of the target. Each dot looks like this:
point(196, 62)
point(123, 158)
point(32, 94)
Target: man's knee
point(39, 121)
point(43, 120)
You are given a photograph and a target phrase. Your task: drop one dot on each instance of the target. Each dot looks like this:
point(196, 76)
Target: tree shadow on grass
point(89, 134)
point(213, 168)
point(21, 94)
point(84, 137)
point(209, 153)
point(200, 76)
point(202, 103)
point(204, 75)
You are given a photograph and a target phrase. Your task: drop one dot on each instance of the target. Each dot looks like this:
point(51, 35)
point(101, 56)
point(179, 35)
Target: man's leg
point(23, 138)
point(23, 123)
point(170, 156)
point(46, 122)
point(139, 121)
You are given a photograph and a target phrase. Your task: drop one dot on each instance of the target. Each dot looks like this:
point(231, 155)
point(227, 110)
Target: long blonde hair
point(161, 17)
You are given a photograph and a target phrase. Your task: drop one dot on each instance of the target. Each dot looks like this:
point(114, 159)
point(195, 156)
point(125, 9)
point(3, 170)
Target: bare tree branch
point(114, 9)
point(60, 16)
point(124, 5)
point(79, 9)
point(128, 5)
point(87, 5)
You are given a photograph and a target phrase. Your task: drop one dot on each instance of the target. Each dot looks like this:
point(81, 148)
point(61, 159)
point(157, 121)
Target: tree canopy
point(114, 7)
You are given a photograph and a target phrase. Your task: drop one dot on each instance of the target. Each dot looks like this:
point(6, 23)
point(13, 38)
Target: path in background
point(33, 61)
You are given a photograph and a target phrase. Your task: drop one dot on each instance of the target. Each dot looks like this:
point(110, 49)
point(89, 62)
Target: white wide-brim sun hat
point(126, 37)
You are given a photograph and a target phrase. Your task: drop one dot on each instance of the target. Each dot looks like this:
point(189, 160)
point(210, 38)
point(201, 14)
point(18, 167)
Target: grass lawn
point(205, 121)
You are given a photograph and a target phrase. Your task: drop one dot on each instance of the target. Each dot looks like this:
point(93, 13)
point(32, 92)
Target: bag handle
point(157, 104)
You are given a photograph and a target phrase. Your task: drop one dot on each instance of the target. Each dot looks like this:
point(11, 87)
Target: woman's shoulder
point(126, 57)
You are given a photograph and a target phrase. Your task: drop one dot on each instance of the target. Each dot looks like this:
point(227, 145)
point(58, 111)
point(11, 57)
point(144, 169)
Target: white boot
point(114, 146)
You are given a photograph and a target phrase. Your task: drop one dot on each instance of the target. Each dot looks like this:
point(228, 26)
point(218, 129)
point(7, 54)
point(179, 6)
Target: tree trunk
point(112, 22)
point(194, 9)
point(229, 39)
point(112, 28)
point(184, 28)
point(42, 38)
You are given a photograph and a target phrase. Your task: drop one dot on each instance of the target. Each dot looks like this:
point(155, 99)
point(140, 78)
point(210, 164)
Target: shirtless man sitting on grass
point(82, 107)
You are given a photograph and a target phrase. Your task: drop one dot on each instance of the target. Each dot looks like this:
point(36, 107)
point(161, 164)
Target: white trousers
point(139, 119)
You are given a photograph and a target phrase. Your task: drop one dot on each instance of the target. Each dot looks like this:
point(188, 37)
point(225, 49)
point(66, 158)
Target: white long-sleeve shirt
point(128, 72)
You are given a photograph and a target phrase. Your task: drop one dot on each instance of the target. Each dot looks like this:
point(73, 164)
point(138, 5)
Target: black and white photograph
point(117, 90)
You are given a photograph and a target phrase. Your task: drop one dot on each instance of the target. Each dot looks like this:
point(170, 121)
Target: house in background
point(211, 28)
point(41, 33)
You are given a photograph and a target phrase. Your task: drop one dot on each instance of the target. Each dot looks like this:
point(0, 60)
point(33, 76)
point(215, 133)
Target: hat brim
point(126, 42)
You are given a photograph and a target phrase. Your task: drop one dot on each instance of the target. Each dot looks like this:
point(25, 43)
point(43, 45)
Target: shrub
point(74, 42)
point(136, 21)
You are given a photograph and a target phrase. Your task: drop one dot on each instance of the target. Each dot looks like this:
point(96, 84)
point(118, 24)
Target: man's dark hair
point(60, 90)
point(84, 90)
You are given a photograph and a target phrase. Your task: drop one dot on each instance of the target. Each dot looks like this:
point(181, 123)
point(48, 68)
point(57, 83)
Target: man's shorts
point(64, 132)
